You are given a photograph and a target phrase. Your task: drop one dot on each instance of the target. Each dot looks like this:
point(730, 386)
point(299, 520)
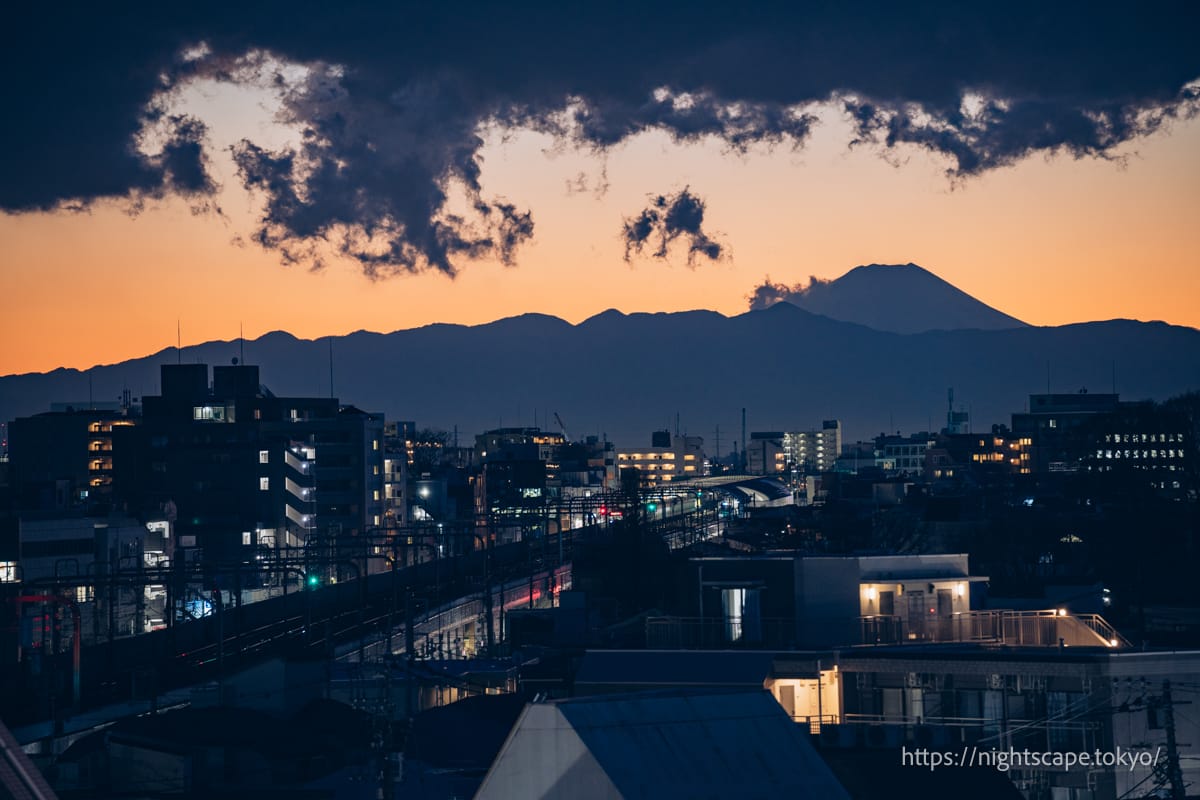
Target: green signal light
point(652, 506)
point(314, 580)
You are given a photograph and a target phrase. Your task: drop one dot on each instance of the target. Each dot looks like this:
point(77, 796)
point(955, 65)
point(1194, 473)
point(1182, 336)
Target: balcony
point(303, 466)
point(1046, 628)
point(306, 521)
point(302, 493)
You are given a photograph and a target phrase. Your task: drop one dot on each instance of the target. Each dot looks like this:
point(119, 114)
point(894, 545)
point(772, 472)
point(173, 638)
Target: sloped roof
point(694, 744)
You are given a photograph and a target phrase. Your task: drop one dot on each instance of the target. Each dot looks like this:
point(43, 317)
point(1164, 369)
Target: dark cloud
point(393, 98)
point(668, 219)
point(768, 293)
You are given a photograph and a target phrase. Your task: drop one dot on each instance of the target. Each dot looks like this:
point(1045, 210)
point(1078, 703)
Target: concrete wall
point(827, 604)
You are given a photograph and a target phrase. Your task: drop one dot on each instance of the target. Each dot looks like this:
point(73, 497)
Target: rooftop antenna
point(241, 344)
point(178, 345)
point(331, 366)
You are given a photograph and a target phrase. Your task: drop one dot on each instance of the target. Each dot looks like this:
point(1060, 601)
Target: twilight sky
point(295, 167)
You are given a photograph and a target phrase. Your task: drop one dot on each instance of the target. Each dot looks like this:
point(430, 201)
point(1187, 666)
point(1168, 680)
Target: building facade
point(242, 472)
point(668, 458)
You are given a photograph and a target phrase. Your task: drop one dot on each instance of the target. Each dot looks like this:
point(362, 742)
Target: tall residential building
point(239, 469)
point(815, 450)
point(668, 458)
point(795, 452)
point(397, 458)
point(63, 459)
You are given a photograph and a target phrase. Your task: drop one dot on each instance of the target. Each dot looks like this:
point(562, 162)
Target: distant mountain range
point(625, 375)
point(901, 298)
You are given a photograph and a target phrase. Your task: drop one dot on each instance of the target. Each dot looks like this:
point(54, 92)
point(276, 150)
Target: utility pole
point(409, 656)
point(219, 612)
point(717, 459)
point(743, 461)
point(1174, 773)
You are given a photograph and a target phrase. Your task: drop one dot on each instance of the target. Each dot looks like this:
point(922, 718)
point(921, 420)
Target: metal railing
point(1105, 631)
point(1046, 628)
point(1049, 628)
point(814, 721)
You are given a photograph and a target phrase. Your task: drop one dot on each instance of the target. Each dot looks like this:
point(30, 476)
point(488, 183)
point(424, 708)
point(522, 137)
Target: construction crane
point(562, 427)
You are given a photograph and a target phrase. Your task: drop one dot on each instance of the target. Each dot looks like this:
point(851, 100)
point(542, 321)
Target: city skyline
point(441, 400)
point(1057, 227)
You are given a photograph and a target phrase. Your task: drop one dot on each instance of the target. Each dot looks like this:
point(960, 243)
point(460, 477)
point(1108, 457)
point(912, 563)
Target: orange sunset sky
point(1049, 240)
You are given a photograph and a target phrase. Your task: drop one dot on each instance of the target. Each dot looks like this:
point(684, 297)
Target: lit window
point(8, 572)
point(264, 456)
point(246, 538)
point(374, 444)
point(376, 494)
point(264, 484)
